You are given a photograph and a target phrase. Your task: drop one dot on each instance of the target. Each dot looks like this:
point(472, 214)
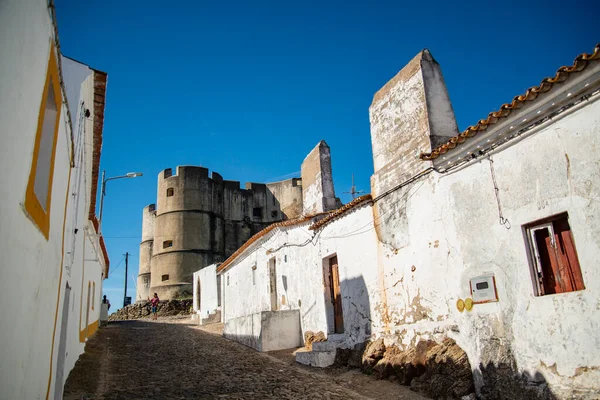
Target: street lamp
point(103, 191)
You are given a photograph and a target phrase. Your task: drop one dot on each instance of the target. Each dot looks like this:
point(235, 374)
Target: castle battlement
point(199, 219)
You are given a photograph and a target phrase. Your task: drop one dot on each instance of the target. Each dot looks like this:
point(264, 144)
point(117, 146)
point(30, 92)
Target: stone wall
point(201, 219)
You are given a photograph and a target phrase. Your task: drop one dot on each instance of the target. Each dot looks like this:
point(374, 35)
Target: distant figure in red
point(154, 301)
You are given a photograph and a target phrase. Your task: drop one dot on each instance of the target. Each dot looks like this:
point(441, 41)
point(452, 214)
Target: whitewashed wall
point(450, 232)
point(206, 278)
point(300, 274)
point(33, 280)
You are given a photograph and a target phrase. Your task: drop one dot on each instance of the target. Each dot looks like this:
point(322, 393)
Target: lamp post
point(103, 190)
point(102, 193)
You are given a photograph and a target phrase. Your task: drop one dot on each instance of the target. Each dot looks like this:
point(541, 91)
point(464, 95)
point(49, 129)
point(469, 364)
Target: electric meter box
point(483, 289)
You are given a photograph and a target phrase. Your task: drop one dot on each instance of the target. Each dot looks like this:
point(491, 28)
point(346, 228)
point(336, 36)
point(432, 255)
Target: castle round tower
point(143, 281)
point(188, 230)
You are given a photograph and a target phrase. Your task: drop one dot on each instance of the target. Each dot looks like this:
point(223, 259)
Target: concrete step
point(336, 337)
point(320, 359)
point(212, 318)
point(327, 346)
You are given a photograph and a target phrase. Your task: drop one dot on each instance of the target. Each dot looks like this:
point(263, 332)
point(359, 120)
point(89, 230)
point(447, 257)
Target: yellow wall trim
point(38, 213)
point(88, 331)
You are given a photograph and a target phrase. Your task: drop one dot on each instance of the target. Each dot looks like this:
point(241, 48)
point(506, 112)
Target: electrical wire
point(116, 266)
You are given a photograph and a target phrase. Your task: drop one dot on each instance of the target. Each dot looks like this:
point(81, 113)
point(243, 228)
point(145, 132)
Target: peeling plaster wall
point(452, 233)
point(405, 262)
point(317, 180)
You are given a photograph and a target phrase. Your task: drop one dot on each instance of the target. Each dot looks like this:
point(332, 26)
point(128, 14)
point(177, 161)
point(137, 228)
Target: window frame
point(535, 259)
point(39, 214)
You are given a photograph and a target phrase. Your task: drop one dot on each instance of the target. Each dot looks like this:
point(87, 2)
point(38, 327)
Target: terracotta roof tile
point(262, 233)
point(329, 216)
point(563, 73)
point(341, 211)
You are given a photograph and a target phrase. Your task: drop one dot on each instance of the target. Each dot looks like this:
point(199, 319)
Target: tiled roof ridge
point(262, 233)
point(341, 211)
point(562, 74)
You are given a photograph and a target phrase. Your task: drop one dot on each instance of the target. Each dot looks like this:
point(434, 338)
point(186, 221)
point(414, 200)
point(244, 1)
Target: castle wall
point(143, 282)
point(202, 219)
point(284, 199)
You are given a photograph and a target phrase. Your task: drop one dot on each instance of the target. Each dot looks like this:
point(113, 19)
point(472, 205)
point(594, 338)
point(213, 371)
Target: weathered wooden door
point(336, 295)
point(273, 284)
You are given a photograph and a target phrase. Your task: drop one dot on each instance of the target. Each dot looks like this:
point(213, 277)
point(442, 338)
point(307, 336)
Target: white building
point(489, 237)
point(54, 261)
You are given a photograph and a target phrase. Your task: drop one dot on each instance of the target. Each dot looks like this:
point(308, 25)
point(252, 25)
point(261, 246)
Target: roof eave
point(531, 113)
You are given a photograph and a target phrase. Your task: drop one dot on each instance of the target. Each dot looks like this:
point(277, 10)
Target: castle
point(200, 220)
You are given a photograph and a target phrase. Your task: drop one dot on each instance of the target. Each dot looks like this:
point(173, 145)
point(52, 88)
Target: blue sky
point(247, 89)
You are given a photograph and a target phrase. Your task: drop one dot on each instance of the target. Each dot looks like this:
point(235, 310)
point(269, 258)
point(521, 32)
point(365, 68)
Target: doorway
point(198, 301)
point(62, 346)
point(335, 295)
point(273, 283)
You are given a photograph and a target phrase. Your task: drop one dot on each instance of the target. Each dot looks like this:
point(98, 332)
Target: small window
point(165, 278)
point(39, 186)
point(254, 275)
point(167, 244)
point(227, 280)
point(169, 192)
point(274, 214)
point(257, 212)
point(555, 265)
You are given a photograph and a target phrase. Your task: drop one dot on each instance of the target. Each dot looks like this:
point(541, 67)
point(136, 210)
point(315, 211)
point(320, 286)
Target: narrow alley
point(173, 359)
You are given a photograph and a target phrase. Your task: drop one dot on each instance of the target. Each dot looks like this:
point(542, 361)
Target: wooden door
point(336, 295)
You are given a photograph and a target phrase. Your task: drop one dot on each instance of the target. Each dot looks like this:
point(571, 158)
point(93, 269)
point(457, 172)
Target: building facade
point(54, 260)
point(200, 219)
point(487, 238)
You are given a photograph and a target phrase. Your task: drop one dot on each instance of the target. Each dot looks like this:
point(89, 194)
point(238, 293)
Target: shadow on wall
point(502, 381)
point(266, 330)
point(351, 299)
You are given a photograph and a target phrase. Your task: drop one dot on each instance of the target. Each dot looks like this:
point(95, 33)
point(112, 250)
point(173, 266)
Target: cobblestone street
point(175, 360)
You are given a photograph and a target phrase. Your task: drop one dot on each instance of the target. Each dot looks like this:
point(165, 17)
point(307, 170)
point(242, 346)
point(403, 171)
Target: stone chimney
point(318, 194)
point(410, 114)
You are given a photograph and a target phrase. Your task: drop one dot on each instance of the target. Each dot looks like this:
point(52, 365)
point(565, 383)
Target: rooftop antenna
point(353, 190)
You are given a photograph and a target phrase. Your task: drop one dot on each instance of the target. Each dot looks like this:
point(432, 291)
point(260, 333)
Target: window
point(167, 243)
point(169, 192)
point(254, 274)
point(227, 280)
point(555, 266)
point(165, 278)
point(39, 186)
point(257, 212)
point(274, 214)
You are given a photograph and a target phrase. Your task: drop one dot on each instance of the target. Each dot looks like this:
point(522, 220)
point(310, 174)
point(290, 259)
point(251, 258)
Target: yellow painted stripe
point(88, 331)
point(60, 269)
